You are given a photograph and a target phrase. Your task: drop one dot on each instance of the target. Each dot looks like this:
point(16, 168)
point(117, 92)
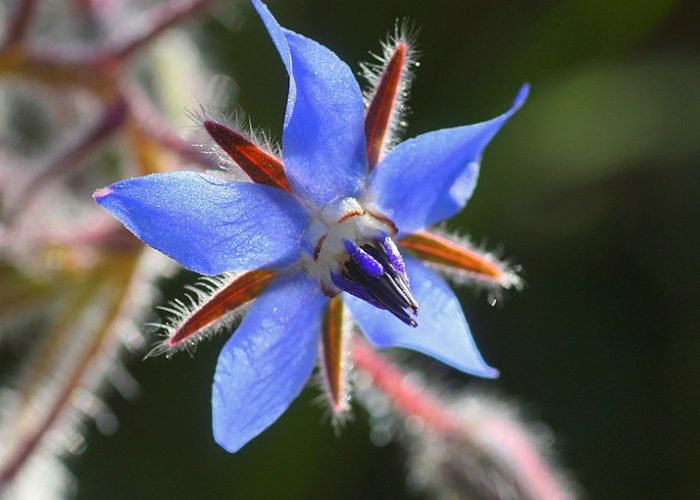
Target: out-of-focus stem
point(19, 22)
point(161, 19)
point(517, 453)
point(157, 129)
point(499, 439)
point(111, 119)
point(93, 67)
point(122, 282)
point(55, 67)
point(406, 397)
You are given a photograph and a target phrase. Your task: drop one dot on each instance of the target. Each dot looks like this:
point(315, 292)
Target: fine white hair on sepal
point(180, 311)
point(405, 32)
point(338, 420)
point(239, 122)
point(507, 279)
point(338, 413)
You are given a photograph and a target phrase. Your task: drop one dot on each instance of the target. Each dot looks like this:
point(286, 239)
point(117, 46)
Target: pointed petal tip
point(491, 373)
point(442, 333)
point(102, 193)
point(265, 365)
point(439, 186)
point(224, 443)
point(523, 93)
point(257, 4)
point(476, 369)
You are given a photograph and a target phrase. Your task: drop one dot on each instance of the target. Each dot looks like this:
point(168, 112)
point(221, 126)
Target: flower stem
point(92, 66)
point(161, 19)
point(19, 22)
point(498, 438)
point(105, 337)
point(111, 119)
point(155, 127)
point(408, 398)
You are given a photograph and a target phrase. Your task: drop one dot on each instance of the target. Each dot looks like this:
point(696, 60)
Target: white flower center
point(324, 239)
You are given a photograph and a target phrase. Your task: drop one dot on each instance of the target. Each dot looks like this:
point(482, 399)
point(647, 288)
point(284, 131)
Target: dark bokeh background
point(592, 189)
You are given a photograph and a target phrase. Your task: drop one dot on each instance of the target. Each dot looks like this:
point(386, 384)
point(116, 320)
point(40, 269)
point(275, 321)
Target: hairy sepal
point(212, 305)
point(461, 262)
point(240, 149)
point(389, 79)
point(334, 362)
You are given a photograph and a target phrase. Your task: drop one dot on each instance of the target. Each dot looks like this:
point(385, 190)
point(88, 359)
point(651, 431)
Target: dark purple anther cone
point(375, 272)
point(367, 263)
point(394, 256)
point(354, 289)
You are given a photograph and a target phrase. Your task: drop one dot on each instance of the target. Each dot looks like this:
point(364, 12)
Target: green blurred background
point(592, 188)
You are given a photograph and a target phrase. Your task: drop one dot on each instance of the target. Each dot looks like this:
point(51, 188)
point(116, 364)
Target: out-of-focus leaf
point(601, 120)
point(577, 29)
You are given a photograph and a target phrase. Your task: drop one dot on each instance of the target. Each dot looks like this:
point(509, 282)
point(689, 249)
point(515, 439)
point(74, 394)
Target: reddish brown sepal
point(439, 250)
point(261, 166)
point(333, 362)
point(244, 289)
point(382, 107)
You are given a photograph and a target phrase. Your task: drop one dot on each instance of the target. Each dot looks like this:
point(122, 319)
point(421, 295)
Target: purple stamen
point(367, 263)
point(354, 289)
point(394, 256)
point(378, 276)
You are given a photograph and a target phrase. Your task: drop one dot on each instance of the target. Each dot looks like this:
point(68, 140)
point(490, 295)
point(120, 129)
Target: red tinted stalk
point(498, 439)
point(19, 21)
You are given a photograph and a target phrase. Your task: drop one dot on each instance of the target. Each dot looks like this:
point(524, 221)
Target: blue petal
point(442, 331)
point(430, 178)
point(323, 139)
point(267, 361)
point(206, 224)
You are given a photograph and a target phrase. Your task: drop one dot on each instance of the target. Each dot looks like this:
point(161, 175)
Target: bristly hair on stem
point(60, 385)
point(70, 157)
point(500, 455)
point(461, 446)
point(100, 287)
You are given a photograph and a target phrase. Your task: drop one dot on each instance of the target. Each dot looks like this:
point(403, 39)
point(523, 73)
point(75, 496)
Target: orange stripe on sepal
point(224, 301)
point(333, 356)
point(440, 250)
point(261, 166)
point(381, 109)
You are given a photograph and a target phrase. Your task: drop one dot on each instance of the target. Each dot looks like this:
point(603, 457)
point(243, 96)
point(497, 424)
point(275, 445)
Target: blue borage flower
point(316, 231)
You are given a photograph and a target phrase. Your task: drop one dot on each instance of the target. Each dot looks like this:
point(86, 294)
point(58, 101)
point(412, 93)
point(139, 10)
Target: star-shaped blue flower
point(325, 220)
